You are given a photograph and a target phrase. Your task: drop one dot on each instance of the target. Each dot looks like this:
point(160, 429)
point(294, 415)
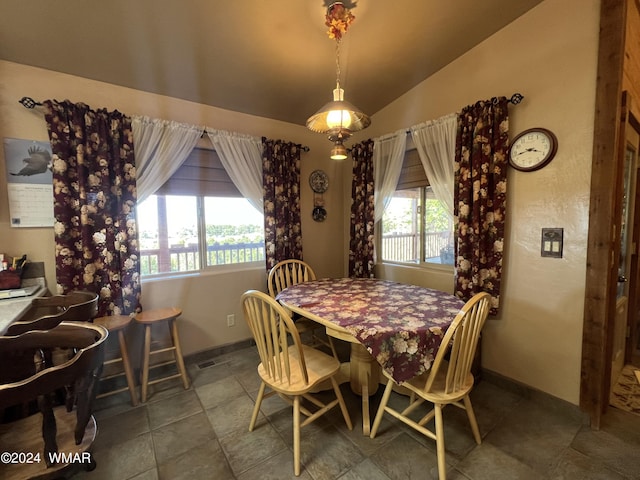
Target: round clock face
point(532, 149)
point(319, 181)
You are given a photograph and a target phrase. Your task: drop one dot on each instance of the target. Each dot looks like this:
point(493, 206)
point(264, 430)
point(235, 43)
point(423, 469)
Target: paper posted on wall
point(29, 182)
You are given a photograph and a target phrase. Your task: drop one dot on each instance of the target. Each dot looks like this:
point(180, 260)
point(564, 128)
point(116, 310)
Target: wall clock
point(532, 149)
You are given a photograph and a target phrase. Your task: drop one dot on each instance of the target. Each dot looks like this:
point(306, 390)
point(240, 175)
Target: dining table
point(394, 326)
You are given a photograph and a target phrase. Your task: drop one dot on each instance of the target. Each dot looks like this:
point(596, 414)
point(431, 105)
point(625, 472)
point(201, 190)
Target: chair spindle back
point(461, 340)
point(277, 339)
point(287, 273)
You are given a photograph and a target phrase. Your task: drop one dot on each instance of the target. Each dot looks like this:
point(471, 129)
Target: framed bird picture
point(29, 182)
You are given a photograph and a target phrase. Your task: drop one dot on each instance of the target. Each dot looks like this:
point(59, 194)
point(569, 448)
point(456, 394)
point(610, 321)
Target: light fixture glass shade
point(338, 118)
point(338, 115)
point(338, 152)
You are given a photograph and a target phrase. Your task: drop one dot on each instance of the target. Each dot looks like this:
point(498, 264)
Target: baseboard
point(204, 355)
point(485, 375)
point(530, 393)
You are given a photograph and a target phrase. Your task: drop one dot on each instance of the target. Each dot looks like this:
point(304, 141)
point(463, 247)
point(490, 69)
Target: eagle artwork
point(39, 161)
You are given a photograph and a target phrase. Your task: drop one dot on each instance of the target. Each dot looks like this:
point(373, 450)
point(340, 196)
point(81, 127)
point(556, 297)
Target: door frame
point(632, 353)
point(604, 215)
point(629, 190)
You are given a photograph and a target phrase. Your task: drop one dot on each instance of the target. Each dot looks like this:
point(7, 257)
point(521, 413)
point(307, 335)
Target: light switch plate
point(551, 244)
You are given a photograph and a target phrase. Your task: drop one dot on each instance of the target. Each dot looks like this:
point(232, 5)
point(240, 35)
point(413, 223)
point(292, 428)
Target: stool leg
point(127, 367)
point(178, 354)
point(145, 362)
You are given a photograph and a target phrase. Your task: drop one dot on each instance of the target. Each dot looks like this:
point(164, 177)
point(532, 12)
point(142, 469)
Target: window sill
point(438, 267)
point(209, 271)
point(436, 276)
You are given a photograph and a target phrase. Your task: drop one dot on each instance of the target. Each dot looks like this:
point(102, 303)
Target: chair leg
point(296, 435)
point(145, 363)
point(366, 421)
point(256, 407)
point(383, 405)
point(49, 429)
point(343, 406)
point(472, 419)
point(126, 364)
point(332, 346)
point(442, 464)
point(178, 354)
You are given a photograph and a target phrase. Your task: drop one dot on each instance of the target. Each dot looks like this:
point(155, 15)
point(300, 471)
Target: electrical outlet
point(231, 320)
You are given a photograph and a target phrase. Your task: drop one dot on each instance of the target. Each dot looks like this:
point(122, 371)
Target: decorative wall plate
point(319, 214)
point(319, 181)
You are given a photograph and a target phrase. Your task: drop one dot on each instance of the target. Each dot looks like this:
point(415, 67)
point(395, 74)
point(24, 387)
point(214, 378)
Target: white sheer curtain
point(435, 141)
point(241, 157)
point(388, 155)
point(161, 146)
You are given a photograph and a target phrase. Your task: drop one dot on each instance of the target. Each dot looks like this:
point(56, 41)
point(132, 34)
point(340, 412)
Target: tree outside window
point(416, 229)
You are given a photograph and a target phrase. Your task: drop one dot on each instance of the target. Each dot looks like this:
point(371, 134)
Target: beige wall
point(551, 59)
point(206, 299)
point(546, 55)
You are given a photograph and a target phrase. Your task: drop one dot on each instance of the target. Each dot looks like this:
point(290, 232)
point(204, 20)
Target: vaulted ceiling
point(267, 58)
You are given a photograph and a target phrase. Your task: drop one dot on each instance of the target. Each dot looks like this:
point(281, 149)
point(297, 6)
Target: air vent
point(206, 364)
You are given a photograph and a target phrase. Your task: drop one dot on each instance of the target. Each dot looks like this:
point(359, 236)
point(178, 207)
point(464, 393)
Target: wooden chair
point(448, 382)
point(58, 429)
point(47, 312)
point(291, 272)
point(288, 367)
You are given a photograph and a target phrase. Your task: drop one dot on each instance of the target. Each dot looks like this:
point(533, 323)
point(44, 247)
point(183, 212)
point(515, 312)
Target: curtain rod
point(30, 103)
point(515, 99)
point(302, 147)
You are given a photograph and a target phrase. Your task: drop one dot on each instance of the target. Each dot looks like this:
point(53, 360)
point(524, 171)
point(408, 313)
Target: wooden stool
point(118, 323)
point(148, 318)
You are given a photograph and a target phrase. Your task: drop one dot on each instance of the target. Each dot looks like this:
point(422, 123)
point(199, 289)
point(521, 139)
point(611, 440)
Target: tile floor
point(202, 433)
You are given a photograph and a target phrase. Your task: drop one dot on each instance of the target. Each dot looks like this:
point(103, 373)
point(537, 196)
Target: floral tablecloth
point(400, 325)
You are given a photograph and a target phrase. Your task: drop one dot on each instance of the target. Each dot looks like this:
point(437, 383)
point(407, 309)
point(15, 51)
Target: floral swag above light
point(338, 19)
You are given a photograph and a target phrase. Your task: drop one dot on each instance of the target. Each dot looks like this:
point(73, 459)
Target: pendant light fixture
point(338, 119)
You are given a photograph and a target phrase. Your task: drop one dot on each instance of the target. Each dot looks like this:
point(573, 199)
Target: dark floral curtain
point(361, 255)
point(479, 198)
point(281, 186)
point(94, 188)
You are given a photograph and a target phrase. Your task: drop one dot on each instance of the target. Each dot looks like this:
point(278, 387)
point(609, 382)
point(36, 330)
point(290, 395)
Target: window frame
point(202, 267)
point(201, 175)
point(411, 178)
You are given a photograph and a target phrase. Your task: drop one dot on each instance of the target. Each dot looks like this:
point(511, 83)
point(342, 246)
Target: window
point(234, 231)
point(168, 231)
point(183, 232)
point(415, 226)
